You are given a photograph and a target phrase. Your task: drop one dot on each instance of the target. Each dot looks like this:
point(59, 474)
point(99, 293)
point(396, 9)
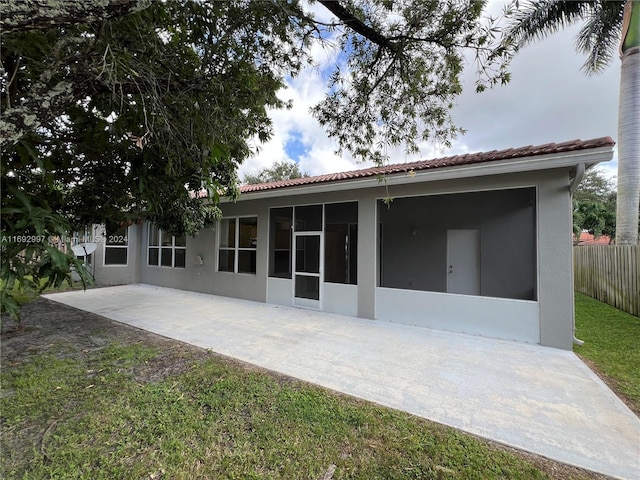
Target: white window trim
point(106, 245)
point(173, 248)
point(236, 248)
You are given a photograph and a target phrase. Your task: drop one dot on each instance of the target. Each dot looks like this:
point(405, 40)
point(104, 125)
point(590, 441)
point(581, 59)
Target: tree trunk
point(628, 202)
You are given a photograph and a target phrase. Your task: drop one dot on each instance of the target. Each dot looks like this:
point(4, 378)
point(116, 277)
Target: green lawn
point(612, 345)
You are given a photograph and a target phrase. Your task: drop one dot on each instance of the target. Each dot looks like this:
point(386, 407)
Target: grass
point(24, 296)
point(612, 339)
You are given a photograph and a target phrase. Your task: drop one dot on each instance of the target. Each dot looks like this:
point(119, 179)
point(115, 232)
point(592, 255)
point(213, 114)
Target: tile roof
point(456, 160)
point(587, 238)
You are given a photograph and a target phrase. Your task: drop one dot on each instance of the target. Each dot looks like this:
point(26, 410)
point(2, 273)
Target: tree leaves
point(400, 84)
point(31, 259)
point(594, 206)
point(190, 83)
point(161, 102)
point(126, 110)
point(280, 170)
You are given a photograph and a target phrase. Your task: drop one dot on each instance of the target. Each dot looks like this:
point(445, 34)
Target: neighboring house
point(587, 238)
point(477, 243)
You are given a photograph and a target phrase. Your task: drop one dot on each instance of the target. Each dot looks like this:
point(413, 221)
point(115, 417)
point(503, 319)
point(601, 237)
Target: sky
point(548, 100)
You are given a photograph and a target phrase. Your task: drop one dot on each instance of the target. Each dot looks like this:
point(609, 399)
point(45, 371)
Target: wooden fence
point(609, 273)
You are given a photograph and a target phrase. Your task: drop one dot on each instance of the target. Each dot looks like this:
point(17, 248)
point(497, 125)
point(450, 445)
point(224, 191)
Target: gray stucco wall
point(555, 278)
point(367, 254)
point(117, 274)
point(553, 252)
point(205, 278)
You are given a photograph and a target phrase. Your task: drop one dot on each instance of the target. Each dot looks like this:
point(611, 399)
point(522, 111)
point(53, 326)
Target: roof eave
point(589, 157)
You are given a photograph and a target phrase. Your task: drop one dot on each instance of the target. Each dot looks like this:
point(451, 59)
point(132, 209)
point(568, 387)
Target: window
point(341, 243)
point(309, 218)
point(116, 247)
point(280, 223)
point(166, 250)
point(237, 247)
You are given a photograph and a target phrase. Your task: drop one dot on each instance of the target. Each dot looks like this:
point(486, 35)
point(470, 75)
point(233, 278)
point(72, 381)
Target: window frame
point(159, 247)
point(276, 237)
point(351, 242)
point(298, 227)
point(108, 245)
point(236, 248)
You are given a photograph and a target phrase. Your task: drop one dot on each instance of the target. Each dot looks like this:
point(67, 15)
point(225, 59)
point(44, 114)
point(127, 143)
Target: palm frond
point(599, 36)
point(536, 20)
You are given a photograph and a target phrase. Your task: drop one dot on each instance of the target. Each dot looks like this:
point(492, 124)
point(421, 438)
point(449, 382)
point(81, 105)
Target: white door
point(463, 262)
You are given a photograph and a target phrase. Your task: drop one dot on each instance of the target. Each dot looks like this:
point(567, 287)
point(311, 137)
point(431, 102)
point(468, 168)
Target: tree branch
point(357, 25)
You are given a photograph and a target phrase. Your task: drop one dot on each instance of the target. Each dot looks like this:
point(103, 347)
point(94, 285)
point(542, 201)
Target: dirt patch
point(74, 333)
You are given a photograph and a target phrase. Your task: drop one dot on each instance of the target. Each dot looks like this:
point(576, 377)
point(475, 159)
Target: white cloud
point(548, 100)
point(305, 91)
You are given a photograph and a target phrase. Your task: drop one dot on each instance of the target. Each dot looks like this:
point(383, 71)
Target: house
point(476, 243)
point(587, 238)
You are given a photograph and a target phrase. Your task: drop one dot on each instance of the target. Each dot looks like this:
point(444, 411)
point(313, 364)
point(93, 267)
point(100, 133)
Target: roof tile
point(452, 161)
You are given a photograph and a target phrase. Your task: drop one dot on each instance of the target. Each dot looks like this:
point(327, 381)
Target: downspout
point(580, 169)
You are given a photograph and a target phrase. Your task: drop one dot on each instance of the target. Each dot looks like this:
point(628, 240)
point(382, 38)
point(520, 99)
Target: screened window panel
point(166, 257)
point(341, 243)
point(281, 264)
point(308, 287)
point(248, 232)
point(228, 233)
point(309, 218)
point(280, 221)
point(308, 254)
point(417, 228)
point(165, 239)
point(154, 235)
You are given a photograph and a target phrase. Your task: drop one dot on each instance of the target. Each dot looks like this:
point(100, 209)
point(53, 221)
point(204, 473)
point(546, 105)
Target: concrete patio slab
point(539, 399)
